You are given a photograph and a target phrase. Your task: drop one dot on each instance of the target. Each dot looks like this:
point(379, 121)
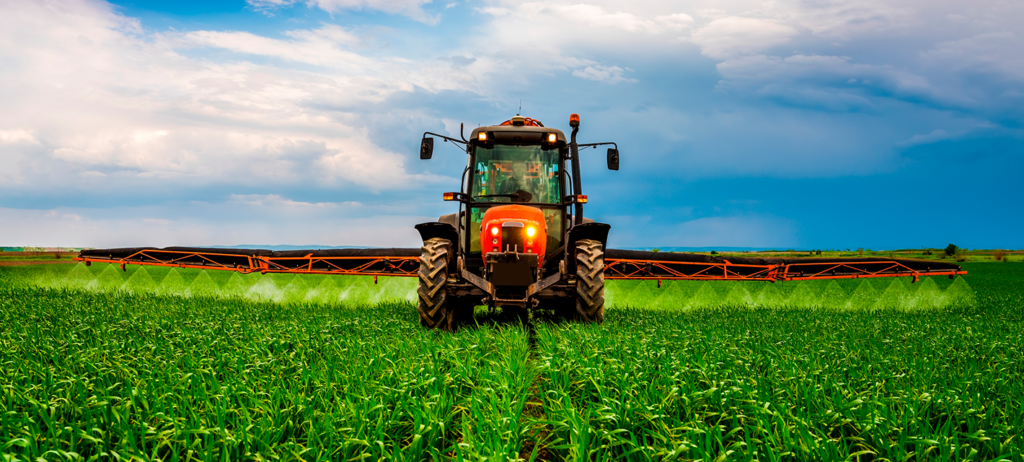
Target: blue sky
point(796, 124)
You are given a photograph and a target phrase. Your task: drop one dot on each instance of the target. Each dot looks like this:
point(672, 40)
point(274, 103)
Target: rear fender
point(593, 231)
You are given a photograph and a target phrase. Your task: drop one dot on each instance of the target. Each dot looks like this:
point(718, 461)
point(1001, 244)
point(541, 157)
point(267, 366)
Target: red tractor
point(519, 239)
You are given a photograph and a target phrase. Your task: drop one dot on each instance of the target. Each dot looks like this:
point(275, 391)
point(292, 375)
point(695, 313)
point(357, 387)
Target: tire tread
point(590, 281)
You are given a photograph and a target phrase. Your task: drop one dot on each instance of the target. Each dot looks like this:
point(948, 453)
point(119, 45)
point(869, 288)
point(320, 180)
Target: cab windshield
point(506, 173)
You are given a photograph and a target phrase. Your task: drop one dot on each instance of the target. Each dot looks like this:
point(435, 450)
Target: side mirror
point(426, 148)
point(613, 159)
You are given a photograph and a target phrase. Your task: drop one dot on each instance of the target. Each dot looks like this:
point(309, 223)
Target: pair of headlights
point(550, 138)
point(530, 231)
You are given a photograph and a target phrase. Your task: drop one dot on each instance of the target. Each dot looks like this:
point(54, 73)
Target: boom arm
point(630, 264)
point(619, 264)
point(364, 262)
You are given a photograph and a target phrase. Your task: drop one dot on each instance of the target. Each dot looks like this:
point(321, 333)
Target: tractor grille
point(513, 239)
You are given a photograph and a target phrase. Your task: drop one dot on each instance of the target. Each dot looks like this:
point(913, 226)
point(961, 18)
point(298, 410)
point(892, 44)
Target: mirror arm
point(446, 138)
point(594, 145)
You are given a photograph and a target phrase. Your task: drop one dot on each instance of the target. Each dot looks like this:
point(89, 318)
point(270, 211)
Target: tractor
point(519, 239)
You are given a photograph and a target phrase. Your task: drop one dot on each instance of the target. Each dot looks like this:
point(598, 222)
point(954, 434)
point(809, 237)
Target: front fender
point(438, 229)
point(593, 231)
point(443, 231)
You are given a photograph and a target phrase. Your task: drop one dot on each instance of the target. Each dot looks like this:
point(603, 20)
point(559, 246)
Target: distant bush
point(656, 250)
point(860, 251)
point(999, 255)
point(951, 250)
point(961, 254)
point(927, 251)
point(714, 252)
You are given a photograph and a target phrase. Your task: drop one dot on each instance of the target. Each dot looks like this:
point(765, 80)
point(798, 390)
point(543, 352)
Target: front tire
point(433, 276)
point(590, 281)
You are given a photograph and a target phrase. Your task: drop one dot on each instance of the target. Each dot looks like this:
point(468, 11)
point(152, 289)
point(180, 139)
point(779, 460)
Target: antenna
point(520, 107)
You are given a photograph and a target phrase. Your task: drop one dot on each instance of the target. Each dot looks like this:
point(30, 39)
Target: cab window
point(506, 173)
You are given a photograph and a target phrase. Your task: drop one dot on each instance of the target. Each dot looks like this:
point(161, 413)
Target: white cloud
point(995, 53)
point(410, 8)
point(92, 95)
point(816, 75)
point(734, 36)
point(274, 200)
point(17, 136)
point(261, 4)
point(964, 129)
point(606, 74)
point(598, 17)
point(847, 19)
point(324, 46)
point(569, 38)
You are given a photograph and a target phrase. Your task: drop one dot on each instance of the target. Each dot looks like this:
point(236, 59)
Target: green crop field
point(172, 364)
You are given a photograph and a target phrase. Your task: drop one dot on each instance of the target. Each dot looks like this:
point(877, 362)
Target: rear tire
point(590, 281)
point(433, 275)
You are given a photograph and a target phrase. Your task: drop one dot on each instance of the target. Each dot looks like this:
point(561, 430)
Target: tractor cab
point(515, 180)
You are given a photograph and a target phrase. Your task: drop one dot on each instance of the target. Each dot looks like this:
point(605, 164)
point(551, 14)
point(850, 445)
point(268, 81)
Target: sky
point(771, 124)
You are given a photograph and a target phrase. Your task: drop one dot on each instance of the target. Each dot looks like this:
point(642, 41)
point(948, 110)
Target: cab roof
point(526, 133)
